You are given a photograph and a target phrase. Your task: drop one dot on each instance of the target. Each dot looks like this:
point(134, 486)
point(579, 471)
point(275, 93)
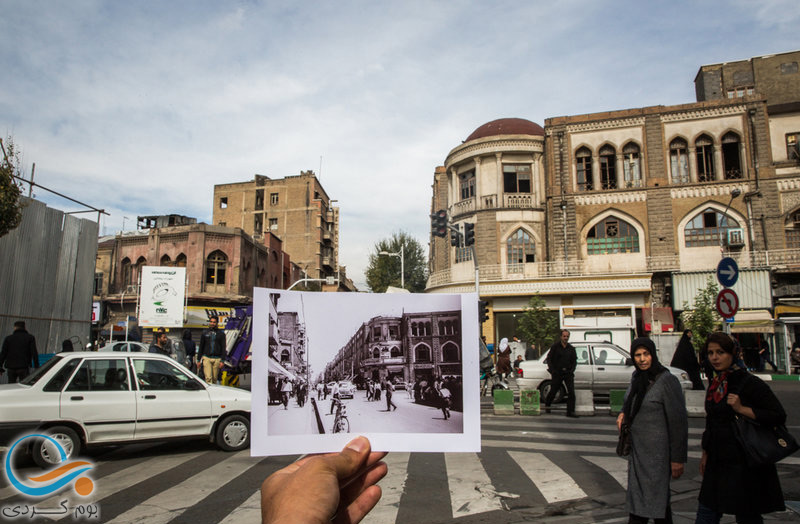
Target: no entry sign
point(727, 303)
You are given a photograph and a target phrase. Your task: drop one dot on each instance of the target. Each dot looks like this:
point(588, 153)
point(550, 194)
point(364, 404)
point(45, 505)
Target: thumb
point(351, 459)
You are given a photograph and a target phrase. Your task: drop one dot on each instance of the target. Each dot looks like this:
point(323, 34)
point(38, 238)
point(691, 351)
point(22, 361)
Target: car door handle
point(76, 398)
point(149, 397)
point(601, 369)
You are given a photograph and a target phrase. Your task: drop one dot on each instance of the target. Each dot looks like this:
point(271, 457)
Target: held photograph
point(400, 369)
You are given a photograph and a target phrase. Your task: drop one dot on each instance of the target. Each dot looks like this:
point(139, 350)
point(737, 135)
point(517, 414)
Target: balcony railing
point(779, 259)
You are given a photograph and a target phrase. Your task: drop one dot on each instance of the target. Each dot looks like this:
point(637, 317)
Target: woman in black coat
point(686, 359)
point(729, 484)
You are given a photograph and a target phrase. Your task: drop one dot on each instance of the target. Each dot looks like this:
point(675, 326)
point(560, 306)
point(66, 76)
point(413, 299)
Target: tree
point(384, 270)
point(703, 318)
point(538, 324)
point(10, 206)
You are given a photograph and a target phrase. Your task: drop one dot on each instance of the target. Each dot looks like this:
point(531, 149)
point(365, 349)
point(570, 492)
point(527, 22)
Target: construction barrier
point(529, 402)
point(503, 402)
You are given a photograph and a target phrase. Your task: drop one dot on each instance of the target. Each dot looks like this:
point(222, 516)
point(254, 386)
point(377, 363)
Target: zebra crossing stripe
point(471, 490)
point(392, 486)
point(617, 467)
point(552, 482)
point(248, 511)
point(163, 507)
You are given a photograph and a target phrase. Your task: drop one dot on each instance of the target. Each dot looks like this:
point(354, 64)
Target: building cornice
point(492, 145)
point(552, 287)
point(708, 191)
point(706, 112)
point(605, 124)
point(625, 197)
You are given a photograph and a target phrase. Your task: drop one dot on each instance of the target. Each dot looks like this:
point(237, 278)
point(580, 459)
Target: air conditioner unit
point(735, 237)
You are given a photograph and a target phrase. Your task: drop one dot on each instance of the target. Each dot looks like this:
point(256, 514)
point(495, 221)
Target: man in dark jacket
point(18, 353)
point(561, 363)
point(211, 350)
point(160, 345)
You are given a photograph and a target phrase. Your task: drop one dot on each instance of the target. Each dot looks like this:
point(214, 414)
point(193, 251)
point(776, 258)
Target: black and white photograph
point(393, 367)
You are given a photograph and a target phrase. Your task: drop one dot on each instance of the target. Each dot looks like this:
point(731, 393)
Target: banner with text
point(162, 295)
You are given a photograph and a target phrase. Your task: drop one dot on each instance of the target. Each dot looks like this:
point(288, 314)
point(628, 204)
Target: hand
point(620, 419)
point(735, 402)
point(339, 487)
point(677, 469)
point(703, 461)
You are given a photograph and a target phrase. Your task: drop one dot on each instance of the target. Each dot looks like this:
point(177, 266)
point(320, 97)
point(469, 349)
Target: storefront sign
point(197, 316)
point(161, 297)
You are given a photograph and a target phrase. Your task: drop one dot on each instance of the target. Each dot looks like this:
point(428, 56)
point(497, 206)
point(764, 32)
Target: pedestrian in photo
point(517, 362)
point(655, 411)
point(446, 399)
point(18, 353)
point(389, 388)
point(763, 356)
point(369, 390)
point(334, 396)
point(685, 358)
point(561, 363)
point(66, 346)
point(503, 365)
point(319, 390)
point(410, 390)
point(531, 353)
point(189, 346)
point(730, 485)
point(286, 389)
point(160, 343)
point(211, 350)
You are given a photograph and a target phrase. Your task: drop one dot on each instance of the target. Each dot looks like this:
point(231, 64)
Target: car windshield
point(34, 377)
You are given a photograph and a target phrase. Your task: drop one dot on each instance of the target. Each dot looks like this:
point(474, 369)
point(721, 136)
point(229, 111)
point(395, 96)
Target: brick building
point(296, 209)
point(632, 206)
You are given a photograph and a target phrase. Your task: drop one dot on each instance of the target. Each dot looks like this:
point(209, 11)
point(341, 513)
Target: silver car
point(602, 366)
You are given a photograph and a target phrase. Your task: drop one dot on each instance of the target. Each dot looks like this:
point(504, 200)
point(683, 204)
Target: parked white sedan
point(602, 366)
point(87, 398)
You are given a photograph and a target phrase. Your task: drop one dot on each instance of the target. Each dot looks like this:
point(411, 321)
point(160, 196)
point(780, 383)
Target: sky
point(140, 108)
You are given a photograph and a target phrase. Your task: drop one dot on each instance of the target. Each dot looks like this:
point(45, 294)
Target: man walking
point(160, 344)
point(211, 350)
point(389, 388)
point(18, 353)
point(561, 363)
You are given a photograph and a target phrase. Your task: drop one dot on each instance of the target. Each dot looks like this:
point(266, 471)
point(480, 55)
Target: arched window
point(608, 169)
point(215, 268)
point(520, 248)
point(466, 184)
point(707, 228)
point(450, 352)
point(679, 161)
point(137, 270)
point(376, 353)
point(126, 272)
point(423, 353)
point(612, 235)
point(792, 229)
point(165, 261)
point(583, 160)
point(704, 148)
point(731, 158)
point(285, 356)
point(395, 352)
point(180, 260)
point(631, 165)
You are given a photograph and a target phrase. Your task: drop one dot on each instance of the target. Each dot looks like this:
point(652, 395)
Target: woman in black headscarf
point(655, 410)
point(686, 359)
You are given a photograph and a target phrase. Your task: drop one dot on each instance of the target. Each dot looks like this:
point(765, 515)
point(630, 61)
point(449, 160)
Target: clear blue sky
point(141, 107)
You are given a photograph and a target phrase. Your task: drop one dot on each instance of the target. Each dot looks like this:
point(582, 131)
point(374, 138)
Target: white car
point(346, 389)
point(176, 349)
point(602, 366)
point(87, 398)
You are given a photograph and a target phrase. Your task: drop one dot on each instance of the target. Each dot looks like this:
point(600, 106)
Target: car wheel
point(233, 433)
point(544, 390)
point(45, 453)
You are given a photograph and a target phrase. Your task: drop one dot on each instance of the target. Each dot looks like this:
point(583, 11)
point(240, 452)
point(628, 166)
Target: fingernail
point(358, 444)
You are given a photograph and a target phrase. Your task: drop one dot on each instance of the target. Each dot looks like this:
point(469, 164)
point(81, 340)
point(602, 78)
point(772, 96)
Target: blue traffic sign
point(727, 272)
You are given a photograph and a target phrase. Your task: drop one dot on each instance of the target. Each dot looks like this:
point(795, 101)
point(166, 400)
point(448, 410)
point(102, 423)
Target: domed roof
point(507, 126)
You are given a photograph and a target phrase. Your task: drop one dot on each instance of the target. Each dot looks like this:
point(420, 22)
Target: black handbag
point(624, 442)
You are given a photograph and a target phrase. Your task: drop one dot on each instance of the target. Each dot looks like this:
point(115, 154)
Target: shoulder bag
point(624, 443)
point(763, 445)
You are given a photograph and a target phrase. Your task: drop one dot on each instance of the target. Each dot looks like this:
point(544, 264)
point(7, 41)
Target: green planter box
point(503, 402)
point(616, 400)
point(529, 403)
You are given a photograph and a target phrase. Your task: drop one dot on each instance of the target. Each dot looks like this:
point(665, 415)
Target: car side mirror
point(629, 361)
point(192, 385)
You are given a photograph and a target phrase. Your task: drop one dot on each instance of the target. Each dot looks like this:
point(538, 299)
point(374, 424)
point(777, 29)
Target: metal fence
point(47, 276)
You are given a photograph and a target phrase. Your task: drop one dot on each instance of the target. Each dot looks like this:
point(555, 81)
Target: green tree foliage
point(703, 318)
point(10, 207)
point(538, 324)
point(384, 271)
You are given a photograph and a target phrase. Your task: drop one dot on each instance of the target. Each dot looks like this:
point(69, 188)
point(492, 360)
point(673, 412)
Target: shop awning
point(755, 321)
point(662, 316)
point(274, 367)
point(784, 310)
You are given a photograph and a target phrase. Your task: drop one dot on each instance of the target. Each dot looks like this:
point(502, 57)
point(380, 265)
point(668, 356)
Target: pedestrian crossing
point(523, 463)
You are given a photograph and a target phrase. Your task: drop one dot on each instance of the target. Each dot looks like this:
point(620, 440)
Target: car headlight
point(684, 376)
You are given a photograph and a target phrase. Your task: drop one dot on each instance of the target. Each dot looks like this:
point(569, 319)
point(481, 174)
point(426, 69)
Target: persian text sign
point(161, 298)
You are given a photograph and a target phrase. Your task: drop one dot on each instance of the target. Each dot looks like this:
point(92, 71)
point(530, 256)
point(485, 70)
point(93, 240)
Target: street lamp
point(399, 254)
point(735, 192)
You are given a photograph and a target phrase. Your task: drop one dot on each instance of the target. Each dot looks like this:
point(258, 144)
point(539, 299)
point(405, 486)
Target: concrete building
point(633, 206)
point(296, 209)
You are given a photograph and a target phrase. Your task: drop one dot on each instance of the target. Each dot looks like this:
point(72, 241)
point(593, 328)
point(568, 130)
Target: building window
point(612, 235)
point(788, 68)
point(215, 268)
point(740, 92)
point(583, 159)
point(463, 254)
point(180, 260)
point(708, 228)
point(165, 261)
point(127, 272)
point(450, 352)
point(259, 199)
point(395, 352)
point(520, 248)
point(273, 199)
point(792, 231)
point(273, 223)
point(223, 202)
point(608, 170)
point(258, 224)
point(376, 333)
point(517, 178)
point(423, 353)
point(98, 284)
point(793, 146)
point(679, 161)
point(466, 182)
point(731, 159)
point(705, 158)
point(631, 165)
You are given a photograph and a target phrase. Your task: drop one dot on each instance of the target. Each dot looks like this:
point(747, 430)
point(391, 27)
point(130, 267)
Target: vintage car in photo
point(346, 389)
point(90, 398)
